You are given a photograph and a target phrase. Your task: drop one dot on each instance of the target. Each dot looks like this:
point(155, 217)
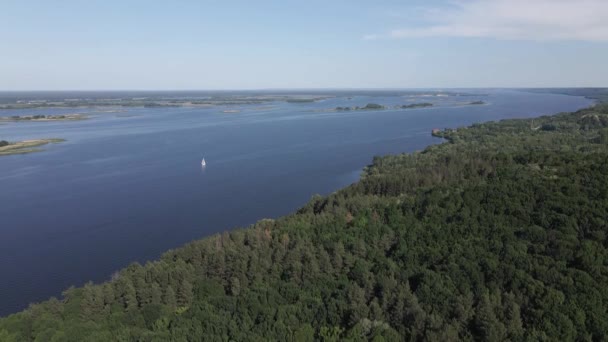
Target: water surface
point(126, 186)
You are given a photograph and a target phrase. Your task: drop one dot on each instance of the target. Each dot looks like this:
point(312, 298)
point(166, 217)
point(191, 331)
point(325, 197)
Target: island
point(152, 100)
point(300, 100)
point(372, 106)
point(416, 105)
point(375, 106)
point(369, 106)
point(25, 146)
point(43, 118)
point(477, 103)
point(160, 105)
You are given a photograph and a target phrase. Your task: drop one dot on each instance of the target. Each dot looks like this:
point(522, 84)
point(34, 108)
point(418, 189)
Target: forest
point(499, 233)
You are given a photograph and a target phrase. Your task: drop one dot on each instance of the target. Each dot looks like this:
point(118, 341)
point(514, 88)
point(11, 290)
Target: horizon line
point(297, 89)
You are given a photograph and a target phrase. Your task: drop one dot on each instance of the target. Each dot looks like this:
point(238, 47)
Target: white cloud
point(584, 20)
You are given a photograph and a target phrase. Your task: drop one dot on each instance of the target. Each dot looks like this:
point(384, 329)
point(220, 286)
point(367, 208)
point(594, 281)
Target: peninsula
point(25, 146)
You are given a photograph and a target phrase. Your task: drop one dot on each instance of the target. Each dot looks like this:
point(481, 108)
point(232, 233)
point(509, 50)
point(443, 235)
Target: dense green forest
point(498, 234)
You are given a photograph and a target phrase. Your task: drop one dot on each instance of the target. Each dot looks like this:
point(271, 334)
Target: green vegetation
point(372, 106)
point(22, 147)
point(477, 103)
point(369, 106)
point(501, 233)
point(66, 117)
point(416, 105)
point(375, 106)
point(342, 108)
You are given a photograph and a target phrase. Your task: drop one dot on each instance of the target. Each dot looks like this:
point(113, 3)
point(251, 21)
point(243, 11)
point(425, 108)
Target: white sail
point(203, 162)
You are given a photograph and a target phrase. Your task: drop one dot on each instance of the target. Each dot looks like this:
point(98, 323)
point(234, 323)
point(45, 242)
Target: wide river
point(126, 186)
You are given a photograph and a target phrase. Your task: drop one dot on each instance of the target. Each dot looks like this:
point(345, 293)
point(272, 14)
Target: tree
point(169, 298)
point(235, 286)
point(330, 334)
point(92, 300)
point(157, 294)
point(487, 324)
point(108, 294)
point(184, 293)
point(126, 292)
point(304, 334)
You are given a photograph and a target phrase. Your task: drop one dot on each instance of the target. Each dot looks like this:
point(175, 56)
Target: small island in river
point(375, 106)
point(416, 105)
point(369, 106)
point(25, 146)
point(38, 118)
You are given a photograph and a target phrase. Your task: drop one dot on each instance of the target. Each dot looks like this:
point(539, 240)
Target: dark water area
point(128, 184)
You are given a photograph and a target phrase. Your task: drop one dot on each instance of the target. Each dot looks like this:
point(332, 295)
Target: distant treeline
point(600, 94)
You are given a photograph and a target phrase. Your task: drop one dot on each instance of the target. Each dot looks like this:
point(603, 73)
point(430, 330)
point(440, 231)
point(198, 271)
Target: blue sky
point(111, 44)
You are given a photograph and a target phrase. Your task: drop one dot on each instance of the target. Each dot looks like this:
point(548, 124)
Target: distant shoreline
point(70, 100)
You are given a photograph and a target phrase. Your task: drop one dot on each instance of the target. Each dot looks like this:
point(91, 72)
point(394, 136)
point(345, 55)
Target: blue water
point(126, 186)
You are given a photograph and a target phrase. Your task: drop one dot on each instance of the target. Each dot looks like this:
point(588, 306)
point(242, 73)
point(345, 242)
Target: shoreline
point(362, 172)
point(27, 146)
point(382, 191)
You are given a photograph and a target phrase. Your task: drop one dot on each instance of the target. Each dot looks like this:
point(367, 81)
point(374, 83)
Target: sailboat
point(203, 163)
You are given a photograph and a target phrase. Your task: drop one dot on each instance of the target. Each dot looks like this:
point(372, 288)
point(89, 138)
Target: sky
point(206, 44)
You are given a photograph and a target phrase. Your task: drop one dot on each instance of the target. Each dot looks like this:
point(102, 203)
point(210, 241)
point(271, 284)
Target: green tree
point(304, 334)
point(184, 293)
point(126, 292)
point(169, 299)
point(235, 286)
point(487, 324)
point(156, 294)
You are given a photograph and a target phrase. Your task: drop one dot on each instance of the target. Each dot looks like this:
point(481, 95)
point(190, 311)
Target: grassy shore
point(26, 146)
